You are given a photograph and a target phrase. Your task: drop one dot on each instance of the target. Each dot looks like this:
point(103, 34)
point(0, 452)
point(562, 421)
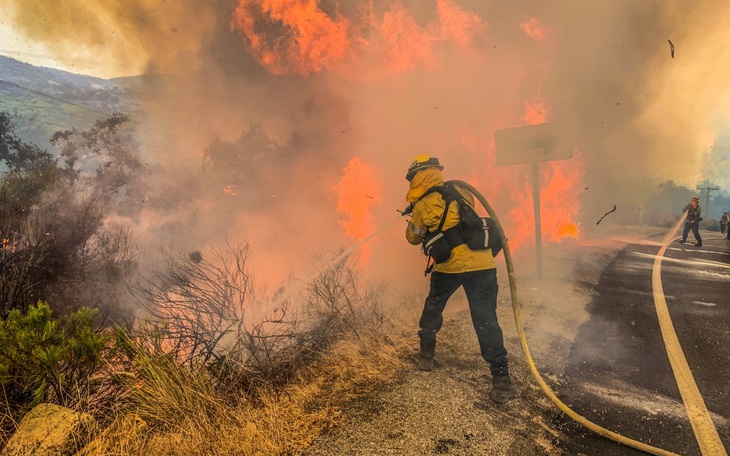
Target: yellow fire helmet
point(696, 198)
point(421, 162)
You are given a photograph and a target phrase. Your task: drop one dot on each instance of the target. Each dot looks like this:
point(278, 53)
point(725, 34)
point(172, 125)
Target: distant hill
point(43, 100)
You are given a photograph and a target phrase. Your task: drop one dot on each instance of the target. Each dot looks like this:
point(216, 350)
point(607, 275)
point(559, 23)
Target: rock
point(50, 430)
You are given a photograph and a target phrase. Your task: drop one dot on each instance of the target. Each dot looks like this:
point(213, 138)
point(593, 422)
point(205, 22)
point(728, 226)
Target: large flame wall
point(363, 86)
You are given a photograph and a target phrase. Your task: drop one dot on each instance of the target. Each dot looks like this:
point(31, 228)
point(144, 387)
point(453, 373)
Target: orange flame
point(406, 44)
point(304, 39)
point(358, 193)
point(457, 24)
point(533, 29)
point(557, 197)
point(296, 36)
point(559, 181)
point(229, 190)
point(512, 187)
point(535, 110)
point(558, 200)
point(568, 230)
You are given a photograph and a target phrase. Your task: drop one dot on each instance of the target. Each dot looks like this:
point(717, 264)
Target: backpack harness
point(472, 230)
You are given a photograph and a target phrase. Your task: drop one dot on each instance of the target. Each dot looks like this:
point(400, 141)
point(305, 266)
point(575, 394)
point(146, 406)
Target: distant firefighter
point(692, 222)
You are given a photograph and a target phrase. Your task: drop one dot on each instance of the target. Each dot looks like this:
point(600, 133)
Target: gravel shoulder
point(447, 410)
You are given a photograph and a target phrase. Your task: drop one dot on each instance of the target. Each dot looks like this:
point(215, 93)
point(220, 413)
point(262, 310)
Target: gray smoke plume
point(413, 77)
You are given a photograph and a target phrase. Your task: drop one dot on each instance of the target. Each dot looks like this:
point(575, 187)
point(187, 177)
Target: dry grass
point(270, 390)
point(185, 415)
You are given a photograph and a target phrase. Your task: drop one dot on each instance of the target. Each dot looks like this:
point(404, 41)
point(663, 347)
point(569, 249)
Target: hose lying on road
point(528, 357)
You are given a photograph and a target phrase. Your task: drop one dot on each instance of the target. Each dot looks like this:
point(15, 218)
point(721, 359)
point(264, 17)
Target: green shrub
point(47, 359)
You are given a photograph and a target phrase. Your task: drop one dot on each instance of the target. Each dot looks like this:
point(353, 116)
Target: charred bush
point(196, 310)
point(195, 305)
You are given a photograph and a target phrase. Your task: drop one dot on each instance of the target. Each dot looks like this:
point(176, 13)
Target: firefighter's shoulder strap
point(448, 198)
point(449, 193)
point(447, 202)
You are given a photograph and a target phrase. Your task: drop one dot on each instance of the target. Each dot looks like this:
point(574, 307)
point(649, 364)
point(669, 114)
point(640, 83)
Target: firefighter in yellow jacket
point(475, 270)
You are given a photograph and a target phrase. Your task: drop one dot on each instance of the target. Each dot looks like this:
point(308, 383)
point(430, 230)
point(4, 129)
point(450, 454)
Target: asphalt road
point(619, 374)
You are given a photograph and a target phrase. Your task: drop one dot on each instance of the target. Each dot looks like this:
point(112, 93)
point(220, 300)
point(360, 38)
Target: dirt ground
point(447, 410)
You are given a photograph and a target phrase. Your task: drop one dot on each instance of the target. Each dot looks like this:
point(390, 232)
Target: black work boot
point(425, 358)
point(503, 389)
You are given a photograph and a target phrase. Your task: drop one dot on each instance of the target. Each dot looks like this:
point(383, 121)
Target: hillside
point(44, 100)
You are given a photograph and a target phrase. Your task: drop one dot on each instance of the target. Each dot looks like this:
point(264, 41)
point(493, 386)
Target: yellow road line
point(699, 417)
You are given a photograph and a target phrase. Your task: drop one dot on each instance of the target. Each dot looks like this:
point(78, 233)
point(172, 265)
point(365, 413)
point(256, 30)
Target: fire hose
point(526, 350)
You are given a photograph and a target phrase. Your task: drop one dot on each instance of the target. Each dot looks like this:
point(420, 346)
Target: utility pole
point(707, 204)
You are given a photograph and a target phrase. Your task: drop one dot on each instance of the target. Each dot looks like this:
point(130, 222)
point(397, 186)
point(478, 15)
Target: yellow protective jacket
point(426, 216)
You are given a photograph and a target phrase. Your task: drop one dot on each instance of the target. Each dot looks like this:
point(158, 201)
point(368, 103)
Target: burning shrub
point(332, 311)
point(188, 363)
point(197, 309)
point(196, 305)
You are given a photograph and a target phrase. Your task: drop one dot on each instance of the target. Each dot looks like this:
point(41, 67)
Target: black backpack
point(478, 233)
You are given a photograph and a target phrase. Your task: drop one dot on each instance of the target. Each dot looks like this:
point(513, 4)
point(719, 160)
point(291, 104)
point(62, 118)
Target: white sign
point(533, 143)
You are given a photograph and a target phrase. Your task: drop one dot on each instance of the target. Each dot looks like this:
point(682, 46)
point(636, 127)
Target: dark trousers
point(695, 227)
point(481, 291)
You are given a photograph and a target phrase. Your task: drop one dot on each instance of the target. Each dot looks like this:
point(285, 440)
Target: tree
point(17, 155)
point(56, 246)
point(238, 163)
point(30, 173)
point(664, 207)
point(100, 157)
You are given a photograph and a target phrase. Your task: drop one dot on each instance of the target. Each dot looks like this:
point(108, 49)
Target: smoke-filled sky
point(363, 86)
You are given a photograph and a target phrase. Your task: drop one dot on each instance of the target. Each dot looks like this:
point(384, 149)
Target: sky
point(15, 45)
point(371, 84)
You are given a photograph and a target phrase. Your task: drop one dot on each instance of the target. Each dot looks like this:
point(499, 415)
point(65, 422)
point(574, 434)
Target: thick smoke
point(411, 77)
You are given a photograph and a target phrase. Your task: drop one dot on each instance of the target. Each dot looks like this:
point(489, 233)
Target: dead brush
point(196, 304)
point(332, 310)
point(269, 390)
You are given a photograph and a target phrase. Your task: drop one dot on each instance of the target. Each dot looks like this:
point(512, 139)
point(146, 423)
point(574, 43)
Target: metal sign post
point(533, 144)
point(538, 225)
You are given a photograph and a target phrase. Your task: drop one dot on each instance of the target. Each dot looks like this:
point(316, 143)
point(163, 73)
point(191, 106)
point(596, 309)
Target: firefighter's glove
point(407, 210)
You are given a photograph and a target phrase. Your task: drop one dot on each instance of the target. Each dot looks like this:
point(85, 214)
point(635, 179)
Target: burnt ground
point(448, 411)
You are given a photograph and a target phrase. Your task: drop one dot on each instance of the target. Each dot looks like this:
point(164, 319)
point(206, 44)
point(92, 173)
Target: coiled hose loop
point(526, 350)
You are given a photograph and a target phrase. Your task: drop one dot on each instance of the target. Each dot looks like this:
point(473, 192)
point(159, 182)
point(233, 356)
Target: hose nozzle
point(407, 210)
